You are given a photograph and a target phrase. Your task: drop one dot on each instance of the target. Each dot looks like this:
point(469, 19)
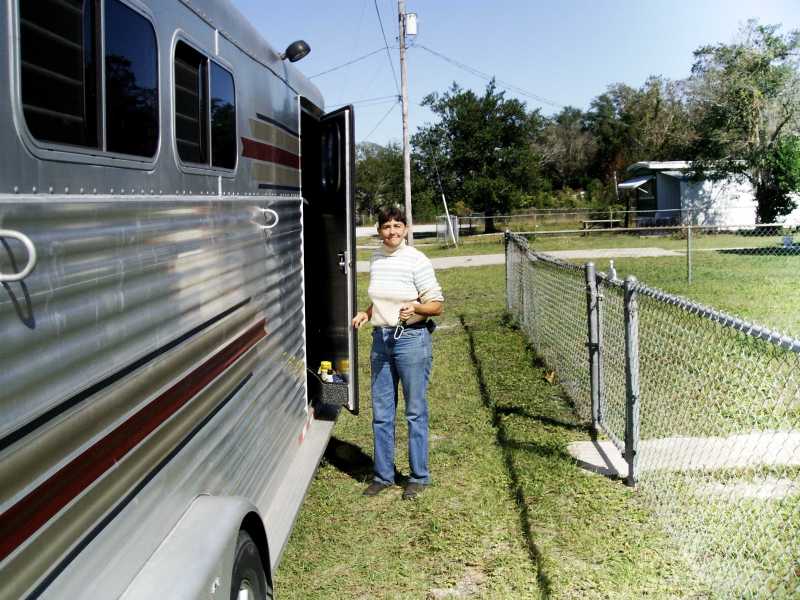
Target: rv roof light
point(296, 51)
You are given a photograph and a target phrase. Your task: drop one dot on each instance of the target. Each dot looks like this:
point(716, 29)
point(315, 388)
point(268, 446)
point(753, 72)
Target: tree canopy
point(737, 114)
point(484, 145)
point(748, 105)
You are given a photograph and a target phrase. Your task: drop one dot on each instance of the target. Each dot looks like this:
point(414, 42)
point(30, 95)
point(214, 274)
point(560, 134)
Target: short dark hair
point(391, 213)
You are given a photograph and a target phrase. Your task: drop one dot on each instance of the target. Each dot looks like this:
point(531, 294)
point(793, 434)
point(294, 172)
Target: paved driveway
point(481, 260)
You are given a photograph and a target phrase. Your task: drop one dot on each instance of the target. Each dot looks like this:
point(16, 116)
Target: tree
point(567, 148)
point(652, 122)
point(482, 146)
point(748, 113)
point(379, 176)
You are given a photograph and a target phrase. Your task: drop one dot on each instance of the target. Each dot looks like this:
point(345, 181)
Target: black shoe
point(413, 490)
point(375, 488)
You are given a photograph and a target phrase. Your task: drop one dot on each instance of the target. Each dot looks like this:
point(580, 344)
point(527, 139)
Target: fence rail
point(703, 406)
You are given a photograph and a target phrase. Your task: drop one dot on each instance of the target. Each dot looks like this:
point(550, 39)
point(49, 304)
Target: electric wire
point(383, 118)
point(347, 64)
point(503, 84)
point(376, 100)
point(386, 44)
point(356, 40)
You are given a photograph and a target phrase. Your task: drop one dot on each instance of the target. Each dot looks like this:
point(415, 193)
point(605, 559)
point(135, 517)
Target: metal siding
point(117, 280)
point(131, 257)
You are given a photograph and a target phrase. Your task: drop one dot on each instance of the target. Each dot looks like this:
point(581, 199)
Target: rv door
point(338, 188)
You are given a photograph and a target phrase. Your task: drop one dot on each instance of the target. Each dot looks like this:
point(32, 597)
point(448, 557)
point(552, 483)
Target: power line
point(383, 118)
point(357, 38)
point(388, 55)
point(376, 100)
point(347, 64)
point(500, 82)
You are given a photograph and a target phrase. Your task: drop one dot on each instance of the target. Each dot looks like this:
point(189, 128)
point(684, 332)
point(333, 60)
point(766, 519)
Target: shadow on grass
point(349, 459)
point(520, 412)
point(506, 446)
point(353, 461)
point(773, 251)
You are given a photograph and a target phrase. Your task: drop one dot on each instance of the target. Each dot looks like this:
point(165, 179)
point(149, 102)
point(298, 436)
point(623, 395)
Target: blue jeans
point(406, 360)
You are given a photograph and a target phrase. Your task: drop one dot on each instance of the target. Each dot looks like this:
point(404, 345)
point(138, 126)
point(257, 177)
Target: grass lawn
point(762, 289)
point(509, 515)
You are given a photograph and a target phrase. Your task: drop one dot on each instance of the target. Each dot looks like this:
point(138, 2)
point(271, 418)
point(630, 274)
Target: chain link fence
point(703, 407)
point(698, 254)
point(447, 231)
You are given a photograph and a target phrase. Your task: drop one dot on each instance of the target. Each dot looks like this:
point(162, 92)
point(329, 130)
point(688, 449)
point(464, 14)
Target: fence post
point(689, 252)
point(631, 379)
point(593, 321)
point(508, 281)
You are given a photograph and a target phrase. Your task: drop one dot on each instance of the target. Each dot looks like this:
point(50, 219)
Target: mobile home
point(665, 193)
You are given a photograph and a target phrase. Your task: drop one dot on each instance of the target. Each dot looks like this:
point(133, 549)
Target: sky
point(552, 53)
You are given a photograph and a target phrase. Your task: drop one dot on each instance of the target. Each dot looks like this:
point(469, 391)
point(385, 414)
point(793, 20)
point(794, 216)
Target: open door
point(329, 254)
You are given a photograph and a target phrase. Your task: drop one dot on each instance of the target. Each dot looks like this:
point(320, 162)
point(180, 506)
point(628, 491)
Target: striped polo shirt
point(400, 276)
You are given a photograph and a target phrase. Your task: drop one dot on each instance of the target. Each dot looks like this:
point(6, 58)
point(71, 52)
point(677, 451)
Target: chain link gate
point(705, 408)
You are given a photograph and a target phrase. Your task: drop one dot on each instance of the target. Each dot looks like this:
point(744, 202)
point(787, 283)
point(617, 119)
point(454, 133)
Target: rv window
point(223, 118)
point(191, 101)
point(131, 82)
point(331, 157)
point(60, 66)
point(59, 70)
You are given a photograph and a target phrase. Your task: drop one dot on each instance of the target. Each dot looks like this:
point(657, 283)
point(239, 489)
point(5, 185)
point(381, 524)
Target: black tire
point(248, 571)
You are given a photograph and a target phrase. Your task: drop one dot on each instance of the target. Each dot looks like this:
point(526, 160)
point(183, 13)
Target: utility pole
point(401, 9)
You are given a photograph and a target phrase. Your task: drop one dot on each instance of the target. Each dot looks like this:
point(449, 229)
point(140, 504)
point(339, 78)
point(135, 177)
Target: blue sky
point(565, 52)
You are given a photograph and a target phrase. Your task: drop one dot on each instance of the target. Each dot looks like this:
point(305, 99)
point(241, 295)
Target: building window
point(223, 119)
point(131, 64)
point(205, 131)
point(61, 71)
point(191, 91)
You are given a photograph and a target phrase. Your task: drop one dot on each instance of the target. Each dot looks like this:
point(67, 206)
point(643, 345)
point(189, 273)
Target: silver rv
point(176, 259)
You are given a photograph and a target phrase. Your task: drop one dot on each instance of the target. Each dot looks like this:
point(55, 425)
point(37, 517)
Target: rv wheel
point(248, 581)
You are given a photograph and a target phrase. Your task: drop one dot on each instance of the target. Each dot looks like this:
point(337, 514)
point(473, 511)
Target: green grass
point(509, 515)
point(762, 289)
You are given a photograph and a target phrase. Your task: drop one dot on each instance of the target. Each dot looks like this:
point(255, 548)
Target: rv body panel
point(156, 354)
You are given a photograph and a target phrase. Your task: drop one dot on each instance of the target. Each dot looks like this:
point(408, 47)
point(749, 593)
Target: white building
point(664, 193)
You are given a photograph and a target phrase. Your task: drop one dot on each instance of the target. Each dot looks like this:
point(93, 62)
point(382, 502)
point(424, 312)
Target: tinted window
point(59, 70)
point(331, 158)
point(131, 81)
point(223, 118)
point(191, 93)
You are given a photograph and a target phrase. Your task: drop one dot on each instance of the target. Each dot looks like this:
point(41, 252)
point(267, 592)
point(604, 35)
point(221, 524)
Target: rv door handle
point(26, 241)
point(342, 262)
point(273, 214)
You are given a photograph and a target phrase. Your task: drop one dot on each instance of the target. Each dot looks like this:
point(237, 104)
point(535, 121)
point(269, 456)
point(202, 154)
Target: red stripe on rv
point(267, 153)
point(28, 515)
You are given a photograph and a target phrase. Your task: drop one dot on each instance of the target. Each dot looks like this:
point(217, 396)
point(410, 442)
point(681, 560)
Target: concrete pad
point(755, 449)
point(770, 488)
point(600, 457)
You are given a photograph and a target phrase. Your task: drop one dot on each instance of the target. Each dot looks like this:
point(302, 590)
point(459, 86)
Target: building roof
point(634, 183)
point(653, 166)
